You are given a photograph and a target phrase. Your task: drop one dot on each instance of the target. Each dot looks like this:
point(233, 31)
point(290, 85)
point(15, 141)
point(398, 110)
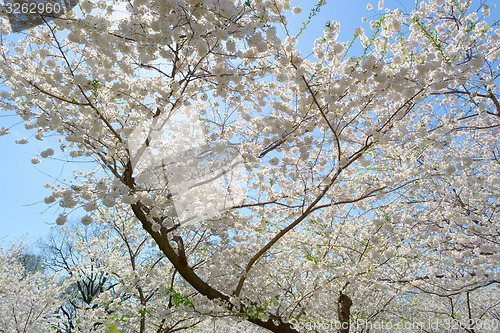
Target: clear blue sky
point(24, 214)
point(25, 217)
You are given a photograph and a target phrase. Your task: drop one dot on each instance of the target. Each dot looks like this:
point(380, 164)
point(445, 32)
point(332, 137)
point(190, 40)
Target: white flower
point(389, 253)
point(75, 153)
point(51, 64)
point(155, 227)
point(146, 200)
point(61, 219)
point(273, 161)
point(4, 30)
point(129, 199)
point(79, 79)
point(102, 4)
point(104, 297)
point(4, 131)
point(395, 24)
point(291, 41)
point(58, 76)
point(296, 10)
point(49, 200)
point(156, 212)
point(369, 6)
point(35, 160)
point(22, 141)
point(485, 11)
point(381, 4)
point(89, 206)
point(86, 220)
point(46, 153)
point(100, 312)
point(87, 6)
point(68, 194)
point(108, 201)
point(450, 169)
point(262, 47)
point(230, 46)
point(485, 248)
point(304, 155)
point(69, 203)
point(220, 147)
point(467, 161)
point(476, 62)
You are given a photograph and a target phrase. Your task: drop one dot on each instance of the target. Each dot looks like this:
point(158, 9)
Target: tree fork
point(181, 265)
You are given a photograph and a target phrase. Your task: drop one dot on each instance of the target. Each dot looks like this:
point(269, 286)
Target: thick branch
point(181, 265)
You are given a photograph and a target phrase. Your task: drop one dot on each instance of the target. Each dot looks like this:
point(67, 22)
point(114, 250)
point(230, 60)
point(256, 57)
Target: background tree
point(27, 298)
point(117, 280)
point(31, 262)
point(61, 255)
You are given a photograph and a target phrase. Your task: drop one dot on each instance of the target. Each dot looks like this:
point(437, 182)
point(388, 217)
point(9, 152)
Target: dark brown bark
point(344, 312)
point(274, 324)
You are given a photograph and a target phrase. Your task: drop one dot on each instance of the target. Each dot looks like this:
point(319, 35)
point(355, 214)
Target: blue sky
point(24, 215)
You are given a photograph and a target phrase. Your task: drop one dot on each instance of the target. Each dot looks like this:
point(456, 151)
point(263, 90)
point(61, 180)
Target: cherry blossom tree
point(116, 279)
point(282, 188)
point(62, 253)
point(475, 311)
point(27, 298)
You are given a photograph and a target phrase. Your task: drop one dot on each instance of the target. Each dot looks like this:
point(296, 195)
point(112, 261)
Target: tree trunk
point(344, 312)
